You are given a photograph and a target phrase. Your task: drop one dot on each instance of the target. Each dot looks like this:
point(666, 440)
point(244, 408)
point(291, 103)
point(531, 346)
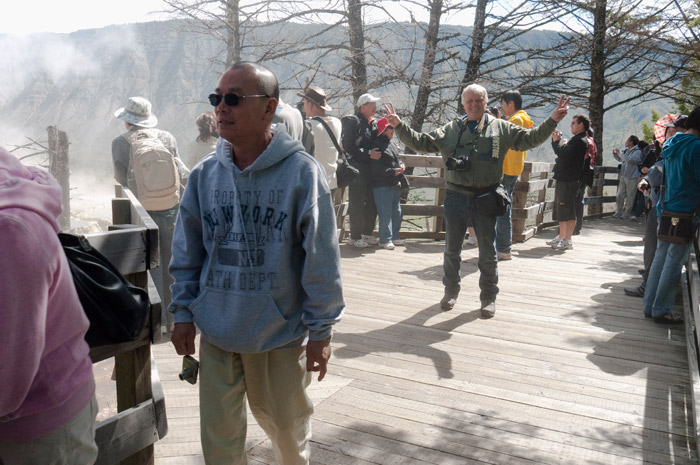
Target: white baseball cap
point(366, 98)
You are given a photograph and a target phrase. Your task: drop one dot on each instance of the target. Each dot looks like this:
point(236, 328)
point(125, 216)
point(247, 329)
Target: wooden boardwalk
point(568, 371)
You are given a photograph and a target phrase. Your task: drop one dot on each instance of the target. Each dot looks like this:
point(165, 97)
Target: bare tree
point(497, 50)
point(611, 53)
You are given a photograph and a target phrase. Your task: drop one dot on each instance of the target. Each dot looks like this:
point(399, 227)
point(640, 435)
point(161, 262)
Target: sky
point(22, 17)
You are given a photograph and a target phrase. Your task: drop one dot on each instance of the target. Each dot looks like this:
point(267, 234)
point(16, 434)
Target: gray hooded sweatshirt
point(255, 252)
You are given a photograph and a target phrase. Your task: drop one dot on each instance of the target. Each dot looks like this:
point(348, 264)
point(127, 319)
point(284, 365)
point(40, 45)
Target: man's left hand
point(317, 355)
point(562, 108)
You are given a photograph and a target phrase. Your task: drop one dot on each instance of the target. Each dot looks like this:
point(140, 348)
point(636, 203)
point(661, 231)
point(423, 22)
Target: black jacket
point(382, 170)
point(357, 135)
point(570, 158)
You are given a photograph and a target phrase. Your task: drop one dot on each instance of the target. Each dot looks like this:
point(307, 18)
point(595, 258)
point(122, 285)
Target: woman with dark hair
point(681, 155)
point(206, 140)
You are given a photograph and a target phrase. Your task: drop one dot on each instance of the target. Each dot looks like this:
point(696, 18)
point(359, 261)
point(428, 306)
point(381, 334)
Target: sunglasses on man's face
point(231, 99)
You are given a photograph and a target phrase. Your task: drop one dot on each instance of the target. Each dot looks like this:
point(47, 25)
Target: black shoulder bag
point(345, 173)
point(116, 308)
point(674, 227)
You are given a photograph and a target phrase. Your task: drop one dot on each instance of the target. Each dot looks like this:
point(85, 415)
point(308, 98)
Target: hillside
point(76, 81)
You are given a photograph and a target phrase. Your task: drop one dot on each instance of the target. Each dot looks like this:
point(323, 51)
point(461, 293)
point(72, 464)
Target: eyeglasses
point(231, 99)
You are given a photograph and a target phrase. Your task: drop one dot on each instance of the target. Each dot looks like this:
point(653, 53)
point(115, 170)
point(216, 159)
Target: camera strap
point(478, 130)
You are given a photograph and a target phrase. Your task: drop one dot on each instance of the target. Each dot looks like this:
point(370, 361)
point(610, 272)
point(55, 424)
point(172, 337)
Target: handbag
point(345, 173)
point(116, 308)
point(674, 227)
point(493, 202)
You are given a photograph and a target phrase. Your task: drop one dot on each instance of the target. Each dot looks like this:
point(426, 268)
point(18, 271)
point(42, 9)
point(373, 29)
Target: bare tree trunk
point(477, 51)
point(424, 88)
point(596, 97)
point(59, 167)
point(357, 49)
point(233, 30)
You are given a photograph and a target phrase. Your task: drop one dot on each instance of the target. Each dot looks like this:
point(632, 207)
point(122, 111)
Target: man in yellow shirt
point(513, 164)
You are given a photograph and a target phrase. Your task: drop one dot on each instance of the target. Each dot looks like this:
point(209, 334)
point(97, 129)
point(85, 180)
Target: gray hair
point(475, 89)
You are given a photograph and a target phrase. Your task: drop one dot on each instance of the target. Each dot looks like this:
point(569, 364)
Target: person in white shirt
point(326, 152)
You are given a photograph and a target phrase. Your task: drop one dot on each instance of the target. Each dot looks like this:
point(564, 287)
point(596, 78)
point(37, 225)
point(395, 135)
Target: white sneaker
point(553, 241)
point(471, 241)
point(387, 245)
point(399, 242)
point(564, 244)
point(359, 243)
point(371, 240)
point(504, 256)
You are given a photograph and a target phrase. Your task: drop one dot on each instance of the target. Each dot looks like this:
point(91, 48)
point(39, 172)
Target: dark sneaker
point(635, 291)
point(448, 301)
point(668, 319)
point(488, 309)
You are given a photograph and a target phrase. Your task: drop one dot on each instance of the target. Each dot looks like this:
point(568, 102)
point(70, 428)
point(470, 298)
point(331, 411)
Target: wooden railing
point(530, 205)
point(691, 317)
point(128, 437)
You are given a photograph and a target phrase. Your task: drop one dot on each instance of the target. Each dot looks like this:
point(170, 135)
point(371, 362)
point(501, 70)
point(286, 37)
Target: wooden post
point(59, 167)
point(133, 369)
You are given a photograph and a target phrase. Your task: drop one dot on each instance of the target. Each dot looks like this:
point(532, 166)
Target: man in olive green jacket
point(473, 148)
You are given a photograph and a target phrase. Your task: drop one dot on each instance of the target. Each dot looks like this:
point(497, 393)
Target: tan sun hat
point(316, 95)
point(137, 112)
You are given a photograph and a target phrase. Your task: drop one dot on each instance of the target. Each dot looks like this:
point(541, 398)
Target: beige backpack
point(155, 172)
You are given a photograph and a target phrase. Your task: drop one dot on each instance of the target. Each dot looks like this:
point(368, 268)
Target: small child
point(385, 174)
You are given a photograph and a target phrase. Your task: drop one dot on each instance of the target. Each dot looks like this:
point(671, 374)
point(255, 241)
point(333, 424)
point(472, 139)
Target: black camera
point(458, 164)
point(190, 369)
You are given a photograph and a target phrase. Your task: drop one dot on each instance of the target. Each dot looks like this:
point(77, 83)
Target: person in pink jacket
point(47, 393)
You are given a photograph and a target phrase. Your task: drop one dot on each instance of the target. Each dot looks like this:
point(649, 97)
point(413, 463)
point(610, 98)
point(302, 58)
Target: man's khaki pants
point(275, 383)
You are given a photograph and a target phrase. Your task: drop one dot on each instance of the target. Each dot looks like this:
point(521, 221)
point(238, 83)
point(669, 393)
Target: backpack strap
point(341, 153)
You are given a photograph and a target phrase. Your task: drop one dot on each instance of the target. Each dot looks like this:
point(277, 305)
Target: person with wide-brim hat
point(324, 129)
point(141, 123)
point(317, 96)
point(137, 112)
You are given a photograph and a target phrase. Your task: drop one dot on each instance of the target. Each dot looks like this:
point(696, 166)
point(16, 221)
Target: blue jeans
point(458, 209)
point(504, 223)
point(165, 220)
point(388, 202)
point(665, 273)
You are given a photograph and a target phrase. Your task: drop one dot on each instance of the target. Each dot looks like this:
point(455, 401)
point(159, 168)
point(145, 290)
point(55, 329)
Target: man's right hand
point(183, 338)
point(562, 108)
point(391, 115)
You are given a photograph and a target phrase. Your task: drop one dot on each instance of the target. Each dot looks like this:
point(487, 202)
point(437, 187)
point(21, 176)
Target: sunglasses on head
point(231, 99)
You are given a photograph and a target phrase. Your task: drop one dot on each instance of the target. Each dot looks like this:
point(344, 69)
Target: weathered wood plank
point(426, 182)
point(532, 168)
point(567, 372)
point(132, 429)
point(531, 186)
point(422, 161)
point(414, 209)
